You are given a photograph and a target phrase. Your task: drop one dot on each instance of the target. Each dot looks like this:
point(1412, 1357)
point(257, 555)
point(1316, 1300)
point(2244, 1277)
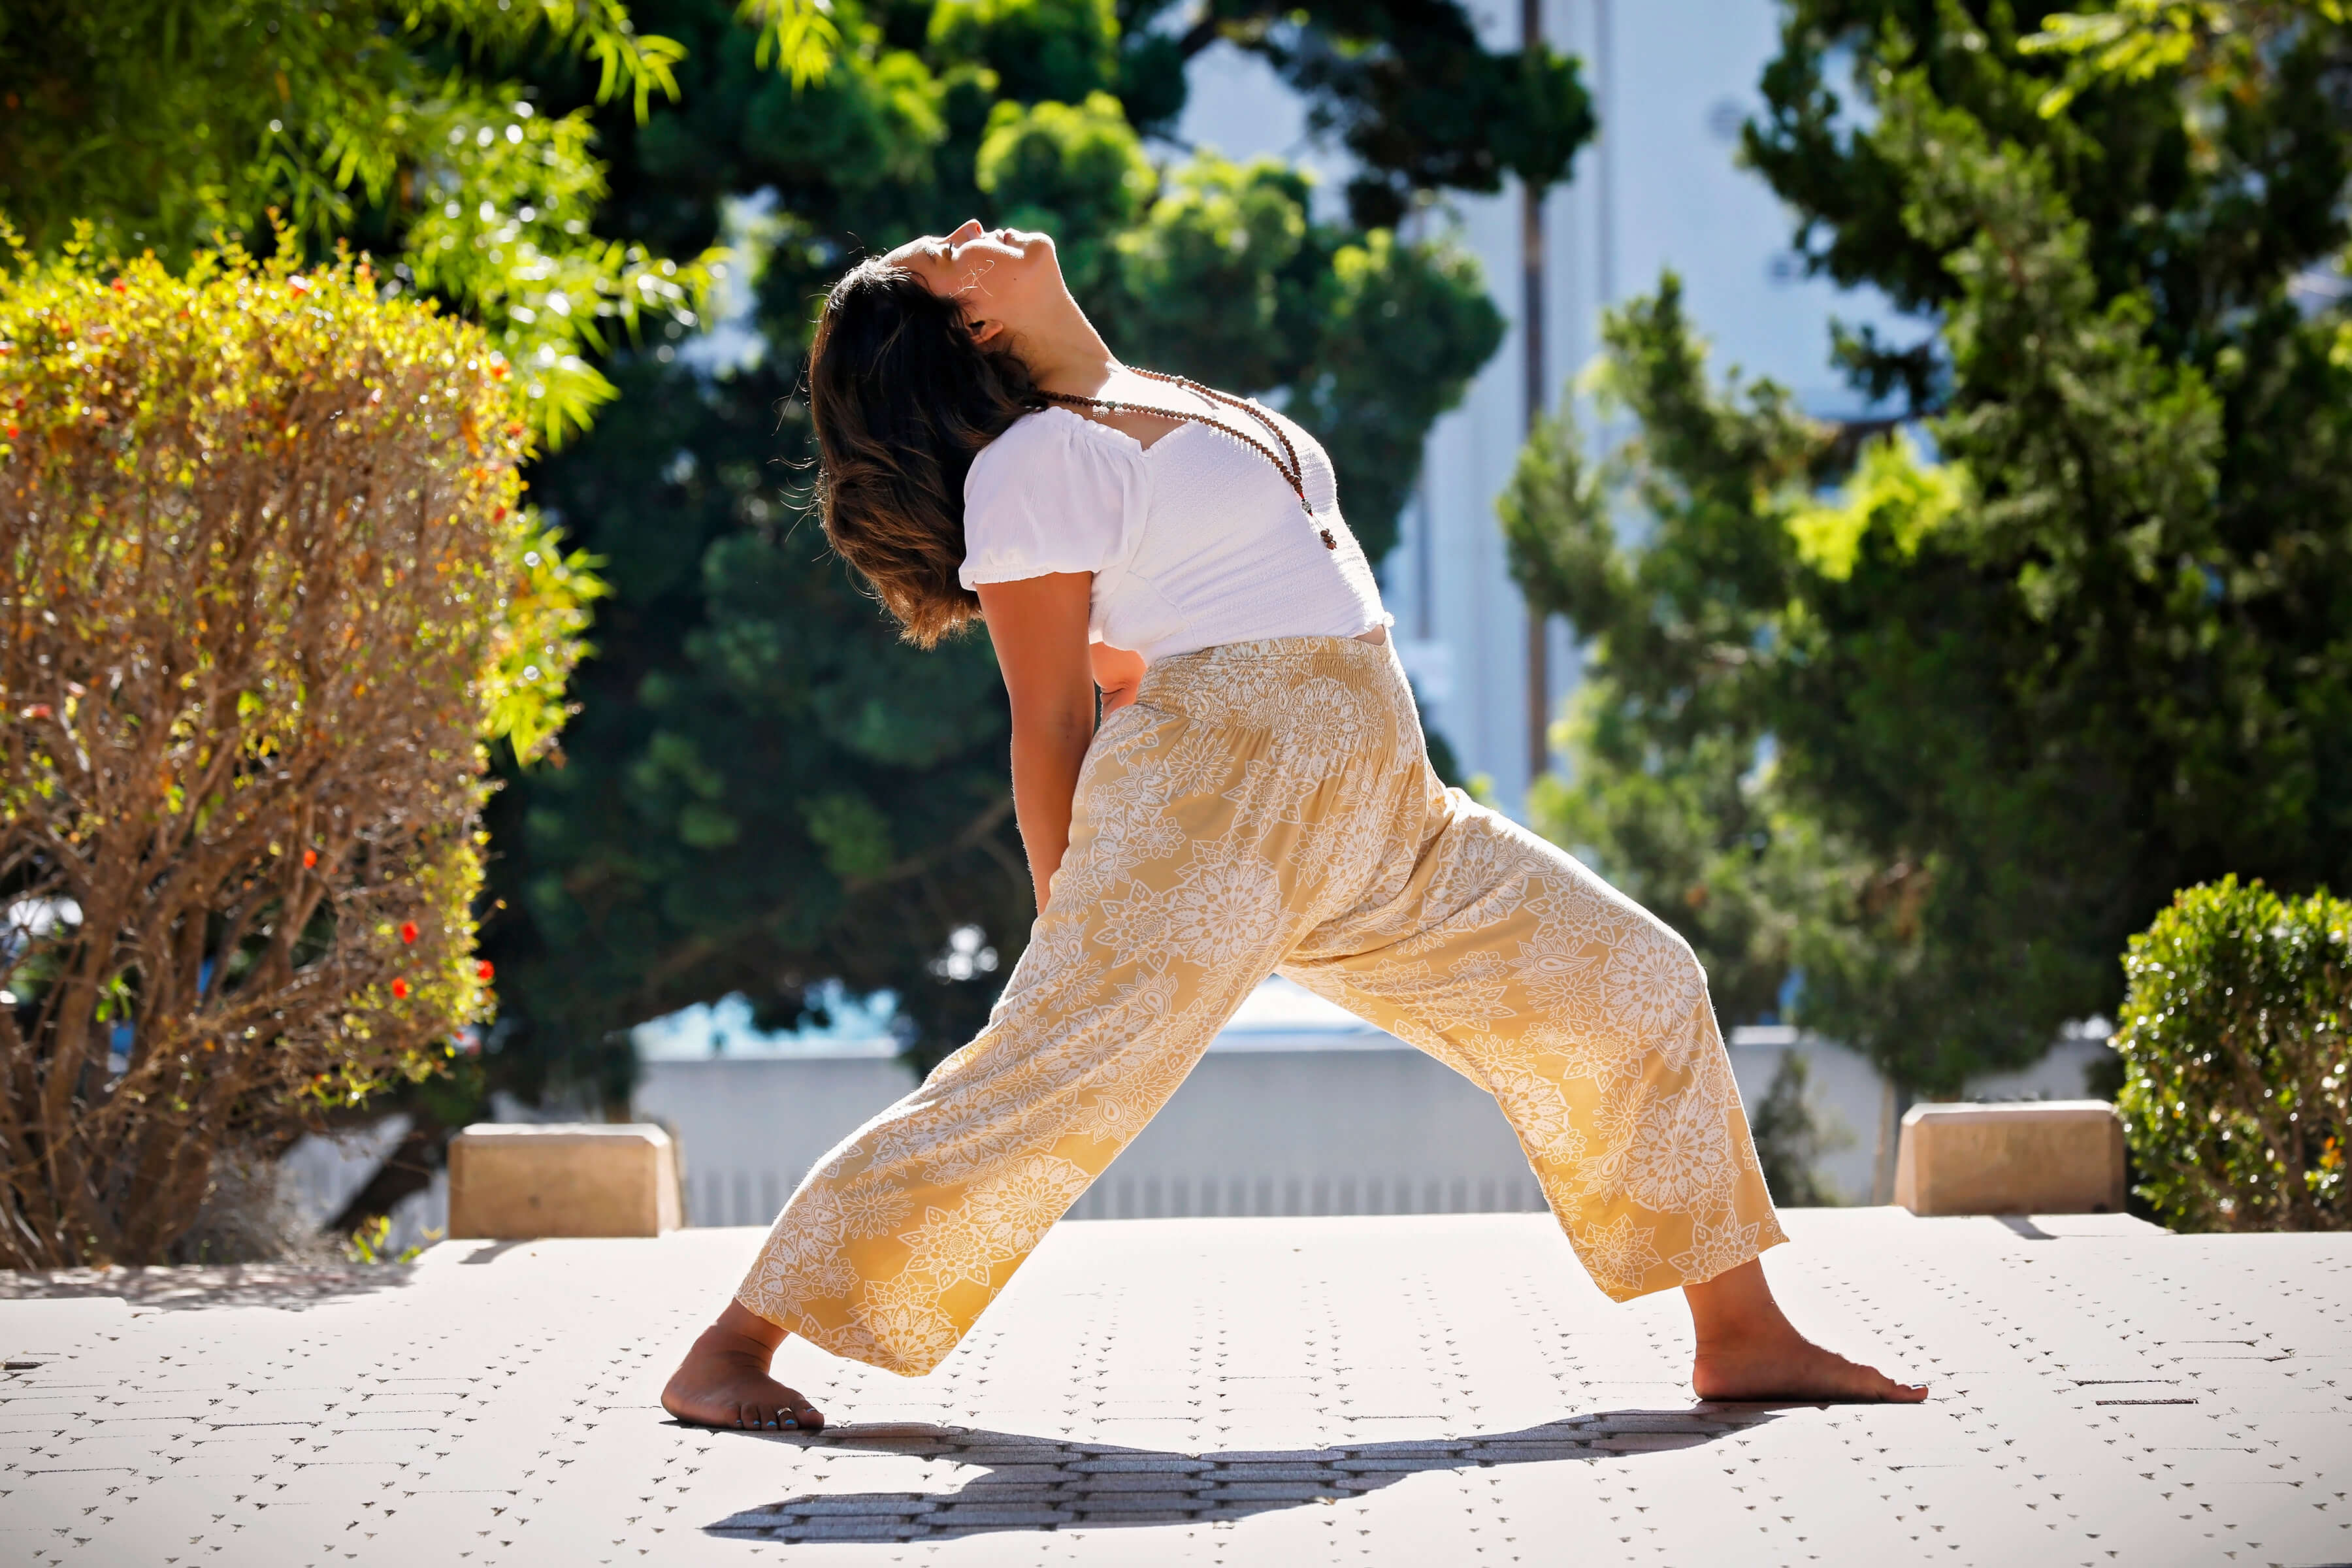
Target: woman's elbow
point(1055, 726)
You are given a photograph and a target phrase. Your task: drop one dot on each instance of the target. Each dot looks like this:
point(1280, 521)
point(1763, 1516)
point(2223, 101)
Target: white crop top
point(1195, 542)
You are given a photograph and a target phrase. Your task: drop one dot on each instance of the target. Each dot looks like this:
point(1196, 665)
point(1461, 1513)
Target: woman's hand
point(1118, 673)
point(1039, 628)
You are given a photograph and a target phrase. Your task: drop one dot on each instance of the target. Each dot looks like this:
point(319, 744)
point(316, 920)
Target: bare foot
point(1791, 1367)
point(1748, 1349)
point(724, 1381)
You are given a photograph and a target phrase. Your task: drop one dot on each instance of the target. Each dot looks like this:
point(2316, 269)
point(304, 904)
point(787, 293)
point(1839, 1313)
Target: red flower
point(408, 930)
point(400, 990)
point(11, 432)
point(121, 287)
point(38, 710)
point(309, 858)
point(482, 971)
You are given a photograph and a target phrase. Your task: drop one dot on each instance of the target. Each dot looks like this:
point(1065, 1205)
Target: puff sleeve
point(1054, 493)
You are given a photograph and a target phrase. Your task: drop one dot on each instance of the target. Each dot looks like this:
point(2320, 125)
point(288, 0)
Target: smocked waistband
point(1242, 682)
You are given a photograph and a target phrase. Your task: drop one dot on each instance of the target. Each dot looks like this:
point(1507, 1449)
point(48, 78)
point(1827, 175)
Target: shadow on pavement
point(1047, 1483)
point(284, 1285)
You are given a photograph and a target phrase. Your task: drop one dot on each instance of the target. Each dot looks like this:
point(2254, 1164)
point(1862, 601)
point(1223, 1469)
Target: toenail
point(790, 1422)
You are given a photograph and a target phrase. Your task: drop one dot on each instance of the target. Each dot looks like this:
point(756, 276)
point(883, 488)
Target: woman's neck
point(1065, 354)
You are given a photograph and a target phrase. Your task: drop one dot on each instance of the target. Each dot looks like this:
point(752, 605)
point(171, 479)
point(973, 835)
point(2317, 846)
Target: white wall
point(1296, 1108)
point(749, 1129)
point(1375, 1128)
point(1372, 1129)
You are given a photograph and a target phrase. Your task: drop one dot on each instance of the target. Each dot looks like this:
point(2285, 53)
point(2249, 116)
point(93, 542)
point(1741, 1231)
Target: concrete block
point(2050, 1156)
point(511, 1182)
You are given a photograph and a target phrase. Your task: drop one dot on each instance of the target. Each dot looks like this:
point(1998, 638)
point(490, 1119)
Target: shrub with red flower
point(266, 590)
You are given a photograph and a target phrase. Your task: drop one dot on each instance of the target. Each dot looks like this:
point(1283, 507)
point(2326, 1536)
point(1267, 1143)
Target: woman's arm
point(1039, 628)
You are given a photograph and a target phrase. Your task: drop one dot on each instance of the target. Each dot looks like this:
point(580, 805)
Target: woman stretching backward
point(1255, 797)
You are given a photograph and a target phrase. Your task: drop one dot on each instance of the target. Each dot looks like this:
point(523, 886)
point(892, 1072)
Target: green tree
point(1790, 1139)
point(1667, 727)
point(1405, 86)
point(1948, 736)
point(764, 790)
point(403, 126)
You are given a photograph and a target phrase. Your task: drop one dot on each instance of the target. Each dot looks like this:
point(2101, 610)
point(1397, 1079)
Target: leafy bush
point(267, 587)
point(2235, 1060)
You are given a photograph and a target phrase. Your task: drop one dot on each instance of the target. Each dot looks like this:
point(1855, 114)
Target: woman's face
point(1005, 279)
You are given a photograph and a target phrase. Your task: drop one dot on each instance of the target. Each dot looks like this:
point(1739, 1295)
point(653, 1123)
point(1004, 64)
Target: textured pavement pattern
point(1432, 1390)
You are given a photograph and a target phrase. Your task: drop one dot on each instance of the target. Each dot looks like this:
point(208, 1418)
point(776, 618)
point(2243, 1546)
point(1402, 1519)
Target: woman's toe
point(1901, 1392)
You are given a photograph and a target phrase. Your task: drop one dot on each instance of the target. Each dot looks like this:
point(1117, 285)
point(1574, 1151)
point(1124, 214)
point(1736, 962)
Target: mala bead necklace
point(1287, 464)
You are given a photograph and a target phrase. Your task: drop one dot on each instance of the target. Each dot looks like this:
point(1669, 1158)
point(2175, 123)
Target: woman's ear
point(986, 333)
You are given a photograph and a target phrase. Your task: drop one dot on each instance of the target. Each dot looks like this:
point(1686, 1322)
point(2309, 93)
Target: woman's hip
point(1327, 692)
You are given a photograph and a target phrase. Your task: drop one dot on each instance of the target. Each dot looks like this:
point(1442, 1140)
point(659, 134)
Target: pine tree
point(1940, 743)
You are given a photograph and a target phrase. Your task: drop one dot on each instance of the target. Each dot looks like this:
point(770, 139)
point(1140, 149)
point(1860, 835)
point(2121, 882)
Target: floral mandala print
point(950, 1248)
point(1268, 805)
point(1476, 992)
point(1681, 1153)
point(900, 1319)
point(1538, 1112)
point(1563, 971)
point(1140, 1082)
point(1620, 1255)
point(1715, 1248)
point(1481, 869)
point(1585, 1053)
point(1318, 727)
point(1653, 993)
point(828, 1274)
point(872, 1208)
point(1223, 910)
point(1015, 1213)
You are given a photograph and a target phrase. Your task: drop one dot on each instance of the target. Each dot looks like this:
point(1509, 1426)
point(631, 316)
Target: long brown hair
point(903, 399)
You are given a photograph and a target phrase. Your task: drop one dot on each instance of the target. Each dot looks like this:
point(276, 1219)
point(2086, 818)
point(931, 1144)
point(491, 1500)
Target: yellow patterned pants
point(1260, 806)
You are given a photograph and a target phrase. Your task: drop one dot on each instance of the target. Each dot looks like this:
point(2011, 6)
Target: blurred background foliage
point(1909, 723)
point(407, 127)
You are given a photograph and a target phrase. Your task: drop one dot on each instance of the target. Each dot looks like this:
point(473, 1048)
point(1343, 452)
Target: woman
point(1255, 797)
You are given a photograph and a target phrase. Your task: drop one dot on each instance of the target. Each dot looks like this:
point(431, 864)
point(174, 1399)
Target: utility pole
point(1531, 329)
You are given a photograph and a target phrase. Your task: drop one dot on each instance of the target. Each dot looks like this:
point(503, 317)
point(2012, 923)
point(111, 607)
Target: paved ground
point(1439, 1391)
